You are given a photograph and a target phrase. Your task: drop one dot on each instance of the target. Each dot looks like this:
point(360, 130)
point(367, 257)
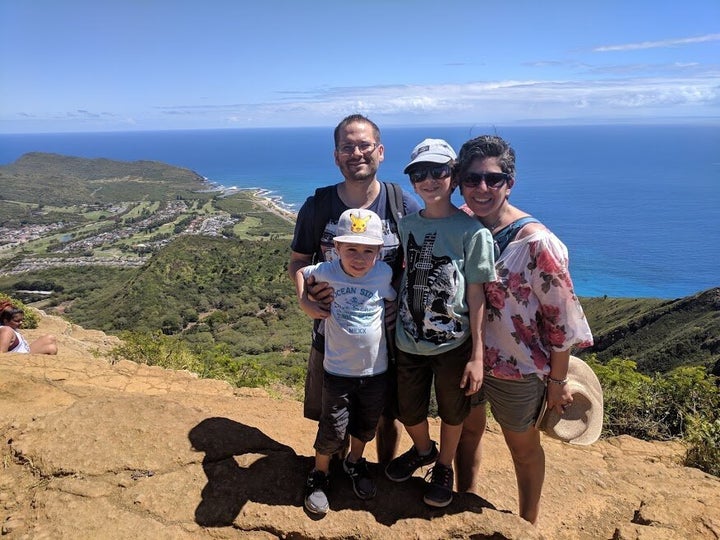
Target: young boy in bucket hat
point(356, 359)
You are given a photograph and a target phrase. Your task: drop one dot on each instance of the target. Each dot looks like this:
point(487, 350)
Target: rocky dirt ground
point(94, 450)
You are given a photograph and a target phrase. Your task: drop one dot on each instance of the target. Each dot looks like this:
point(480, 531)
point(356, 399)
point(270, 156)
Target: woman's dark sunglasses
point(493, 180)
point(438, 172)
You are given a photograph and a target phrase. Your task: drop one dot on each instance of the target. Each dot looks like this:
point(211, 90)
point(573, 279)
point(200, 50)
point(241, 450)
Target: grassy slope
point(658, 334)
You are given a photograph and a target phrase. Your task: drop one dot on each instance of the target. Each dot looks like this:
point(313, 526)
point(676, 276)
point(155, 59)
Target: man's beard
point(359, 175)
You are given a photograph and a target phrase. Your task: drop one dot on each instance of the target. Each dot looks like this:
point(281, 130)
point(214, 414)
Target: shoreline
point(272, 203)
point(264, 196)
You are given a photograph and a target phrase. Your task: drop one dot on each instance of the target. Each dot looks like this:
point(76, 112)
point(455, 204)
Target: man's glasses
point(366, 148)
point(493, 180)
point(438, 172)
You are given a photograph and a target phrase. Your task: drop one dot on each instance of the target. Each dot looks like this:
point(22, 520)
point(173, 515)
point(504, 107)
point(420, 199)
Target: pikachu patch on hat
point(358, 224)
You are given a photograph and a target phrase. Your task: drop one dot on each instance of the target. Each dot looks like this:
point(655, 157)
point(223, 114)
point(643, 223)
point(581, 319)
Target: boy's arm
point(474, 370)
point(390, 295)
point(315, 310)
point(322, 292)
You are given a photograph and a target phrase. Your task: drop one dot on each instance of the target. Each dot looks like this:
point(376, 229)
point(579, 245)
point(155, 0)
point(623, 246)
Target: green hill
point(208, 290)
point(219, 290)
point(658, 334)
point(41, 178)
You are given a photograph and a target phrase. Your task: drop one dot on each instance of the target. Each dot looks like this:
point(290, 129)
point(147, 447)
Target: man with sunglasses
point(358, 154)
point(449, 256)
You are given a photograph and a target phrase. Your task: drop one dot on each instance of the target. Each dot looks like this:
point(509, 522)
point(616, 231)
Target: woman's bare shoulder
point(529, 229)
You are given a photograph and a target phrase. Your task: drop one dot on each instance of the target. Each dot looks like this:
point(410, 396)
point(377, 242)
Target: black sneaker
point(363, 484)
point(316, 488)
point(402, 467)
point(440, 489)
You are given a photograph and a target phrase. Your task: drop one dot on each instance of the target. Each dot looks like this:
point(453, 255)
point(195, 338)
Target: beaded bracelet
point(561, 382)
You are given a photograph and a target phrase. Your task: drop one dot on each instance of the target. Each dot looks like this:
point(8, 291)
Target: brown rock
point(96, 450)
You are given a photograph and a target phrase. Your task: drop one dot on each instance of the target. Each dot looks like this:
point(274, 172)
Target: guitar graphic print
point(426, 307)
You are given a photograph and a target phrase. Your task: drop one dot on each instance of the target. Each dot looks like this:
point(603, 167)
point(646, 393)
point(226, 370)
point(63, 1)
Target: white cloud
point(678, 69)
point(490, 101)
point(658, 44)
point(694, 94)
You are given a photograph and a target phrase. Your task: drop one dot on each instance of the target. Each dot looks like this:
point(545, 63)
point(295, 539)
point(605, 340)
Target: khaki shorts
point(514, 403)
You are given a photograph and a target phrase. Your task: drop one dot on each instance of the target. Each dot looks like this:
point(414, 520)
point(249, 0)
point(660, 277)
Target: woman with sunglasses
point(533, 319)
point(11, 340)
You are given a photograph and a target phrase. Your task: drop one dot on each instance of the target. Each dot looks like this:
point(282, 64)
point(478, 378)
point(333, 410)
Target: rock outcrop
point(99, 450)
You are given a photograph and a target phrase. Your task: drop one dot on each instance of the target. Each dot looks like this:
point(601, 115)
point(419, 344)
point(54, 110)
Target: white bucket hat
point(581, 422)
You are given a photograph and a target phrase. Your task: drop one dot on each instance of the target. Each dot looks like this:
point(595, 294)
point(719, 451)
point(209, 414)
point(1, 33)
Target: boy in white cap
point(356, 359)
point(448, 258)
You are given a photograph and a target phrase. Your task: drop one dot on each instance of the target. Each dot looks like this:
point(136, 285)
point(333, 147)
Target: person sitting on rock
point(11, 340)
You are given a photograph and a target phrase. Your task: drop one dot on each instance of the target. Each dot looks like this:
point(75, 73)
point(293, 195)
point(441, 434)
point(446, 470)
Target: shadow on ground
point(243, 464)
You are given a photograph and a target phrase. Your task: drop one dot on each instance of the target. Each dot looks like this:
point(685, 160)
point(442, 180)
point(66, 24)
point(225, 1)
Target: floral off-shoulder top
point(532, 308)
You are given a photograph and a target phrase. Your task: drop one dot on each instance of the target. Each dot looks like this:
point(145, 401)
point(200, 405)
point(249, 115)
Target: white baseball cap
point(360, 226)
point(433, 151)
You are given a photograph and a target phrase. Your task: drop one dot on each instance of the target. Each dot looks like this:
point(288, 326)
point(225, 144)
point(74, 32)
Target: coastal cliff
point(93, 449)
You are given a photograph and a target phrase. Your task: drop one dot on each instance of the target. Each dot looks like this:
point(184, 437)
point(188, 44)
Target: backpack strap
point(15, 340)
point(508, 233)
point(395, 200)
point(397, 211)
point(323, 208)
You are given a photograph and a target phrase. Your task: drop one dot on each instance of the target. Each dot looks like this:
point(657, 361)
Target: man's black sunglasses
point(493, 180)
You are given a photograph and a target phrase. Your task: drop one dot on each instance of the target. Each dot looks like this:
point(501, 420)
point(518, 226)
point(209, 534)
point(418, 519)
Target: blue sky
point(119, 65)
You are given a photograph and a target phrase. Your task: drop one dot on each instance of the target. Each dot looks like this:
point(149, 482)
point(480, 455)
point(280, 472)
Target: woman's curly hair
point(483, 147)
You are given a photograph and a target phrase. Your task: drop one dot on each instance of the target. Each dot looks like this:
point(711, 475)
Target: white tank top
point(22, 345)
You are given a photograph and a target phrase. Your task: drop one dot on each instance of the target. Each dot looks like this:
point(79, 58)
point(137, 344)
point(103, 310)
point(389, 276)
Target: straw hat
point(581, 423)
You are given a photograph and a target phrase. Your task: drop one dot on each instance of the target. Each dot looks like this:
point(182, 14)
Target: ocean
point(637, 206)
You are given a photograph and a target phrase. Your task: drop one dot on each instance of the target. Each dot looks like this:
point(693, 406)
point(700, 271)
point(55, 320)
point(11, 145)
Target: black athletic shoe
point(363, 484)
point(402, 467)
point(439, 491)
